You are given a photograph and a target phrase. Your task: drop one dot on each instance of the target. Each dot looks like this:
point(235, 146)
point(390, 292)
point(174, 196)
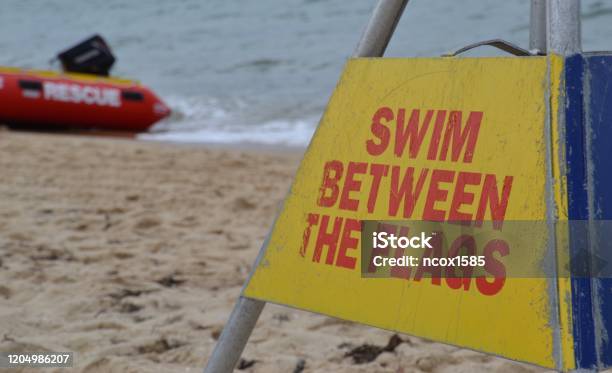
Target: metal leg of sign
point(238, 329)
point(235, 335)
point(380, 28)
point(563, 34)
point(563, 27)
point(537, 29)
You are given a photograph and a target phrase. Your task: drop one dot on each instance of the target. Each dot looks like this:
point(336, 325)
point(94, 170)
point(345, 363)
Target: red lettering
point(382, 132)
point(452, 280)
point(436, 194)
point(497, 204)
point(410, 132)
point(401, 271)
point(352, 185)
point(312, 219)
point(435, 137)
point(494, 267)
point(327, 239)
point(461, 197)
point(332, 173)
point(435, 251)
point(377, 171)
point(348, 242)
point(408, 192)
point(458, 138)
point(376, 251)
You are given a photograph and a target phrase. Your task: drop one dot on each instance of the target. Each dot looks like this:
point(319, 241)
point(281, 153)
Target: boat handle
point(30, 84)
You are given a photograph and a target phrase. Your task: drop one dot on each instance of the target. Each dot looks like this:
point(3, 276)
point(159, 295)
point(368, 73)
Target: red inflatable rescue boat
point(52, 100)
point(83, 97)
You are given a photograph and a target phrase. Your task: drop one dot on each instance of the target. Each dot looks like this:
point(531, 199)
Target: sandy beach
point(131, 254)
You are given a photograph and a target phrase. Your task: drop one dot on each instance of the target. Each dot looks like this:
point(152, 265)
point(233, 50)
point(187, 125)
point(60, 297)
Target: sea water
point(261, 70)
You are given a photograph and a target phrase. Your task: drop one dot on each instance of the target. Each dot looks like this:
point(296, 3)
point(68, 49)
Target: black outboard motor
point(91, 56)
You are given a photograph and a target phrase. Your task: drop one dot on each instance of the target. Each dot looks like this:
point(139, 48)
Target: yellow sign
point(433, 140)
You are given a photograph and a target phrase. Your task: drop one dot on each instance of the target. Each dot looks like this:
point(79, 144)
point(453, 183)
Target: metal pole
point(564, 36)
point(235, 335)
point(380, 28)
point(537, 29)
point(238, 328)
